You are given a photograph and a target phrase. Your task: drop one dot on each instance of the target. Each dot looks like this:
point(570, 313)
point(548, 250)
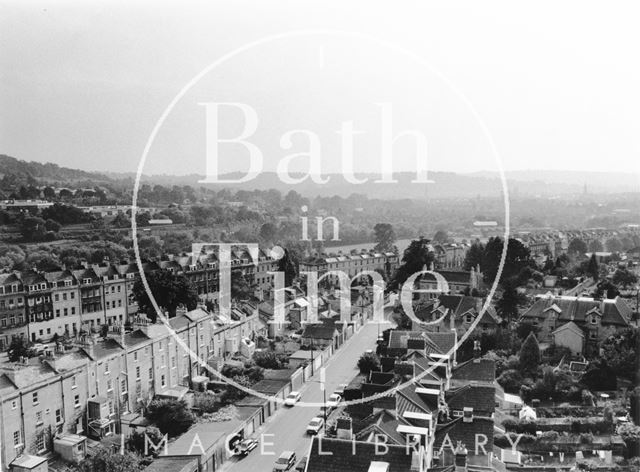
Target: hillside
point(46, 173)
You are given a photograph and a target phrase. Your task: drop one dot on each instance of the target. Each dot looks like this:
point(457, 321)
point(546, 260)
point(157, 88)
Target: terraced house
point(86, 388)
point(13, 321)
point(577, 321)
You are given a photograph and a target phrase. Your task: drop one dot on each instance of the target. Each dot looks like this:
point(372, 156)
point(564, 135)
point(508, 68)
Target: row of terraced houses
point(40, 305)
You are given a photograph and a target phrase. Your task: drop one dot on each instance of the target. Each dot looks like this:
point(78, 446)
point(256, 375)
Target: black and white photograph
point(319, 236)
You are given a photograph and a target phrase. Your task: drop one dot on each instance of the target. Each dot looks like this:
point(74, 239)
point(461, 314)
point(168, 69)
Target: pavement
point(286, 430)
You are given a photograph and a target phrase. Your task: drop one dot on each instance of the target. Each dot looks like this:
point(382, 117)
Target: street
point(286, 430)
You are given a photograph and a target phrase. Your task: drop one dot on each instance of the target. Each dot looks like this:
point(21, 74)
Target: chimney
point(461, 457)
point(344, 428)
point(467, 415)
point(477, 352)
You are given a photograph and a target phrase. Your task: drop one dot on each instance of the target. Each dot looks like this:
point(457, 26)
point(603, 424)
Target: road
point(286, 430)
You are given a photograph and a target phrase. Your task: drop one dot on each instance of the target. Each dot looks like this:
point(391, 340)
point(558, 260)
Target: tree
point(20, 347)
point(52, 225)
point(385, 237)
point(169, 290)
point(614, 245)
point(592, 267)
point(288, 265)
point(232, 394)
point(241, 289)
point(267, 360)
point(595, 246)
point(172, 417)
point(577, 247)
point(517, 257)
point(49, 193)
point(137, 440)
point(121, 221)
point(606, 289)
point(268, 232)
point(441, 236)
point(619, 353)
point(417, 256)
point(530, 354)
point(624, 278)
point(474, 256)
point(33, 229)
point(102, 459)
point(65, 214)
point(510, 300)
point(369, 362)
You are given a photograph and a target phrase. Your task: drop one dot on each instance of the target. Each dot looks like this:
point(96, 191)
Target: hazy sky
point(557, 84)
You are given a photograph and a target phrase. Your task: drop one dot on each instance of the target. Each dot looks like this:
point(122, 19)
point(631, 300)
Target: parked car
point(285, 462)
point(292, 398)
point(341, 388)
point(302, 464)
point(245, 446)
point(333, 400)
point(39, 348)
point(315, 425)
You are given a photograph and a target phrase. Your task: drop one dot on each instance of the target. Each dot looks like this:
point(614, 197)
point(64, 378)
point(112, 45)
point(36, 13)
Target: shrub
point(205, 403)
point(172, 417)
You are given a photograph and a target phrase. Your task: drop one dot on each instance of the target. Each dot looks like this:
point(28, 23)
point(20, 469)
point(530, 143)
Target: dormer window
point(594, 319)
point(86, 281)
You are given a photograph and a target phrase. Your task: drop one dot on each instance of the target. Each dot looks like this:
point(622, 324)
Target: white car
point(292, 398)
point(341, 388)
point(333, 400)
point(315, 425)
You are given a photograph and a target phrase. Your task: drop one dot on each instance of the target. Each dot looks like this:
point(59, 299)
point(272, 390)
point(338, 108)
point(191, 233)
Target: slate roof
point(385, 423)
point(482, 371)
point(10, 278)
point(571, 326)
point(408, 400)
point(440, 343)
point(613, 312)
point(452, 276)
point(337, 455)
point(458, 430)
point(479, 397)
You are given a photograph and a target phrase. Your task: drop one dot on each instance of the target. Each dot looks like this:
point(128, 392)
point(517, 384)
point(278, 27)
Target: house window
point(138, 373)
point(17, 440)
point(58, 416)
point(73, 382)
point(14, 404)
point(593, 335)
point(123, 386)
point(111, 408)
point(40, 442)
point(109, 385)
point(150, 374)
point(135, 356)
point(34, 397)
point(38, 418)
point(594, 320)
point(76, 401)
point(163, 381)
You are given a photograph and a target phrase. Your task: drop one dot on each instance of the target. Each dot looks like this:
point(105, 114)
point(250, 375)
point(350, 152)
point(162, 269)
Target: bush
point(510, 380)
point(205, 403)
point(172, 417)
point(368, 362)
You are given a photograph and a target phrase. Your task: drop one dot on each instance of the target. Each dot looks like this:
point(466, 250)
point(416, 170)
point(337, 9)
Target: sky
point(541, 85)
